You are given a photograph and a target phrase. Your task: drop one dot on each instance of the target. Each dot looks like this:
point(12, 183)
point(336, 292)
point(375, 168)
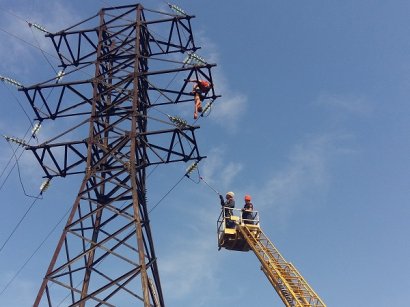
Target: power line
point(149, 211)
point(24, 41)
point(12, 168)
point(19, 103)
point(18, 224)
point(31, 25)
point(31, 123)
point(22, 267)
point(42, 52)
point(13, 14)
point(15, 163)
point(33, 253)
point(19, 173)
point(166, 194)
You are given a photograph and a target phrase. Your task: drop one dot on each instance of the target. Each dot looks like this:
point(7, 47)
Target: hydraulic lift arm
point(290, 285)
point(284, 277)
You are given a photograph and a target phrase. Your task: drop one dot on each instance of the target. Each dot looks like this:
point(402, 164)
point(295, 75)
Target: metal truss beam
point(105, 255)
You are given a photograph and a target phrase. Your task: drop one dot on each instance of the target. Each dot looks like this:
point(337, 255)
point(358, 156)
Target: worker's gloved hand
point(222, 199)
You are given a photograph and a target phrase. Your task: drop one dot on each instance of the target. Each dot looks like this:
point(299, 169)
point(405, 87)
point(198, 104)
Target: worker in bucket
point(228, 205)
point(247, 211)
point(200, 89)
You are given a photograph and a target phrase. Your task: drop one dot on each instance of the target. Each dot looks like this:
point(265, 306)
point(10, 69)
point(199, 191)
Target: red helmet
point(248, 197)
point(204, 83)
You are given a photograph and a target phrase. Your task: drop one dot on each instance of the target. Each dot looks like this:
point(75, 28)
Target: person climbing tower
point(200, 89)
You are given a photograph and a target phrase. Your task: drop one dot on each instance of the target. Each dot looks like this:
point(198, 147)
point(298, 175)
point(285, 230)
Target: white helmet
point(232, 194)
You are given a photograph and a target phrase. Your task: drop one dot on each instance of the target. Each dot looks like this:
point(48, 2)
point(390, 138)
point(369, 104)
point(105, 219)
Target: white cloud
point(24, 42)
point(16, 46)
point(229, 108)
point(24, 289)
point(348, 103)
point(182, 269)
point(28, 166)
point(230, 171)
point(215, 165)
point(305, 176)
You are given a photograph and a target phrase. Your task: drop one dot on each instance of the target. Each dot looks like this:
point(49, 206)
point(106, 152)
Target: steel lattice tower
point(130, 60)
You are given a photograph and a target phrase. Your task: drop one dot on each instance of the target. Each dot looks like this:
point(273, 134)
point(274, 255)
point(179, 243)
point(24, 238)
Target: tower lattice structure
point(119, 68)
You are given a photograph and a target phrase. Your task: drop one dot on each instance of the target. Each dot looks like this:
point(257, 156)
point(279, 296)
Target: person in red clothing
point(200, 89)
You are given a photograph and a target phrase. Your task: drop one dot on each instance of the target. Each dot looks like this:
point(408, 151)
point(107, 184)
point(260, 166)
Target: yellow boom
point(290, 285)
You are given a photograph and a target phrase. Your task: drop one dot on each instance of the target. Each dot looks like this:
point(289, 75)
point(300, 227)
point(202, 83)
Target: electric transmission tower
point(120, 68)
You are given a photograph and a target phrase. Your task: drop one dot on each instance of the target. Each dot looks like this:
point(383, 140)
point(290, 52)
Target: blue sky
point(313, 123)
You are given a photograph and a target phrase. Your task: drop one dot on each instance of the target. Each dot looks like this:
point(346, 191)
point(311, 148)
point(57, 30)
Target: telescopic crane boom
point(234, 233)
